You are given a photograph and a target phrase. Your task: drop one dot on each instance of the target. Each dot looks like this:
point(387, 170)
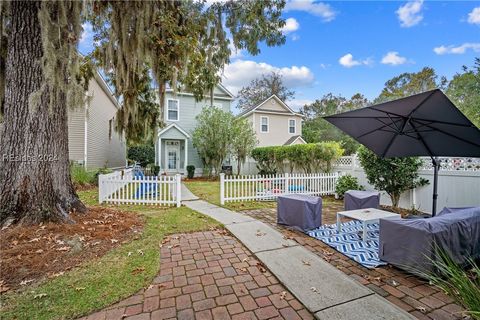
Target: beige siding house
point(275, 123)
point(89, 129)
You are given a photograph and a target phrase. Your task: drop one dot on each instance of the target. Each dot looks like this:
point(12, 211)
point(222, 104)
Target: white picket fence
point(268, 187)
point(128, 187)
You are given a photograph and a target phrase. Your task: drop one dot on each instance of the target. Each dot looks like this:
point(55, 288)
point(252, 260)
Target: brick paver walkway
point(208, 275)
point(407, 291)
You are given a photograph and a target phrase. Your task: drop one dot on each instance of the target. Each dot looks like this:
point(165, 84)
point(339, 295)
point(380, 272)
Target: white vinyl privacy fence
point(269, 187)
point(130, 186)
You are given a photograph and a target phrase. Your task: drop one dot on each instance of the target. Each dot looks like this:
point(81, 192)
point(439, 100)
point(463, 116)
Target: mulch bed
point(31, 253)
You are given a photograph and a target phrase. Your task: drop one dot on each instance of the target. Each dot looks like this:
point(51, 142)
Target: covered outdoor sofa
point(410, 243)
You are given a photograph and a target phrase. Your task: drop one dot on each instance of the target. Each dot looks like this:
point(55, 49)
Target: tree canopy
point(262, 88)
point(410, 83)
point(464, 91)
point(316, 129)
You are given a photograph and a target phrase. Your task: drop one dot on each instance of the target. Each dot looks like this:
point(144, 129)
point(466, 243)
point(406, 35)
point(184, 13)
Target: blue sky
point(346, 47)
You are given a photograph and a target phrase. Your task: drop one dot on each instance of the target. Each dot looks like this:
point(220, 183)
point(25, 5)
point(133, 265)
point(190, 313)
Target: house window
point(292, 126)
point(172, 110)
point(264, 124)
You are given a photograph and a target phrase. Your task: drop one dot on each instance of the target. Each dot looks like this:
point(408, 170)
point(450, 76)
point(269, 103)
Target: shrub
point(154, 169)
point(81, 176)
point(460, 282)
point(394, 175)
point(345, 183)
point(265, 158)
point(310, 157)
point(143, 154)
point(190, 171)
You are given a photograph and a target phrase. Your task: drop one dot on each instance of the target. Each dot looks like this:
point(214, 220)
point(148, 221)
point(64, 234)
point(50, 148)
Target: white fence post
point(222, 188)
point(100, 188)
point(287, 182)
point(178, 182)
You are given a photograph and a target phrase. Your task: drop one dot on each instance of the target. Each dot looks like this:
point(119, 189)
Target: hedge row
point(310, 157)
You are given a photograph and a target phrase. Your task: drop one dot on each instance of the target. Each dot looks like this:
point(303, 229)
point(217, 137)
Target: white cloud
point(410, 13)
point(297, 104)
point(474, 16)
point(319, 9)
point(234, 52)
point(240, 72)
point(348, 61)
point(393, 59)
point(291, 24)
point(87, 33)
point(461, 49)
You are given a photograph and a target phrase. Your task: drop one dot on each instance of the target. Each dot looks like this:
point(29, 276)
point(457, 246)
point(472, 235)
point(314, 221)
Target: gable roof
point(174, 125)
point(288, 110)
point(293, 139)
point(229, 95)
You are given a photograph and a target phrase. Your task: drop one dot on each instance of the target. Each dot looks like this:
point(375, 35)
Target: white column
point(222, 188)
point(178, 181)
point(159, 141)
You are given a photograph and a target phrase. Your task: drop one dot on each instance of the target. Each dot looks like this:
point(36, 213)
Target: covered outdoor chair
point(356, 199)
point(300, 212)
point(411, 244)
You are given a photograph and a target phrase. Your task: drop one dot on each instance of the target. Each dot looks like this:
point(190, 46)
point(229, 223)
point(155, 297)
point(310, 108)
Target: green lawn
point(210, 191)
point(117, 275)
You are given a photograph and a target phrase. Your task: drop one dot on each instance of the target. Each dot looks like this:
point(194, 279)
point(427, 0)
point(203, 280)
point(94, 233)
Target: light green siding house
point(173, 148)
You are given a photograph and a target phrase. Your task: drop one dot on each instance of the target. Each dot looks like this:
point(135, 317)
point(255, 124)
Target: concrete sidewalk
point(324, 290)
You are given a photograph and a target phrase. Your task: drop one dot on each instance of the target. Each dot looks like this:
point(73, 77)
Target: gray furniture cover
point(409, 244)
point(301, 212)
point(355, 199)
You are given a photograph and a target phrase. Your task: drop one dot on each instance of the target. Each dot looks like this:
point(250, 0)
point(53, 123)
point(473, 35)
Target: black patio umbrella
point(425, 124)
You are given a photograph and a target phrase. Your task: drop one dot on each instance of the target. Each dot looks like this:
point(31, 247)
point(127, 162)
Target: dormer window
point(292, 126)
point(172, 110)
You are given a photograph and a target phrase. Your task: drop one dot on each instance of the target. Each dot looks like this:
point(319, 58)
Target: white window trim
point(295, 126)
point(261, 124)
point(178, 110)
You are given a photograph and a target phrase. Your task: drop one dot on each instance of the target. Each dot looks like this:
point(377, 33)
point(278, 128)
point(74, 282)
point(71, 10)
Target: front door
point(172, 155)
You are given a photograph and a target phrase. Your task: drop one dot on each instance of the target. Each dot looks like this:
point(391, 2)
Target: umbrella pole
point(436, 166)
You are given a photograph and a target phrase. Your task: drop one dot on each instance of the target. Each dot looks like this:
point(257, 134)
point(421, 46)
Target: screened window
point(292, 126)
point(264, 124)
point(172, 110)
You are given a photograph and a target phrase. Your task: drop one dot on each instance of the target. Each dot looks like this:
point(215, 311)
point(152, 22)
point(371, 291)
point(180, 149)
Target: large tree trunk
point(35, 184)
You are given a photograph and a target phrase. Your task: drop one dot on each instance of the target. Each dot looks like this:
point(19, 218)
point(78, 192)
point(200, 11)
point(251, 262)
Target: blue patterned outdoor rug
point(349, 241)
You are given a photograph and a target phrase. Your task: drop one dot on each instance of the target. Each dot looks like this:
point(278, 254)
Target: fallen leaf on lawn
point(283, 294)
point(58, 274)
point(79, 288)
point(96, 243)
point(39, 251)
point(137, 270)
point(60, 242)
point(14, 242)
point(34, 240)
point(3, 287)
point(114, 240)
point(421, 309)
point(307, 263)
point(129, 253)
point(140, 252)
point(63, 248)
point(40, 295)
point(25, 282)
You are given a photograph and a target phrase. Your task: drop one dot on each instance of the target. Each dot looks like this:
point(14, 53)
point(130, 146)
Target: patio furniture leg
point(364, 231)
point(339, 224)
